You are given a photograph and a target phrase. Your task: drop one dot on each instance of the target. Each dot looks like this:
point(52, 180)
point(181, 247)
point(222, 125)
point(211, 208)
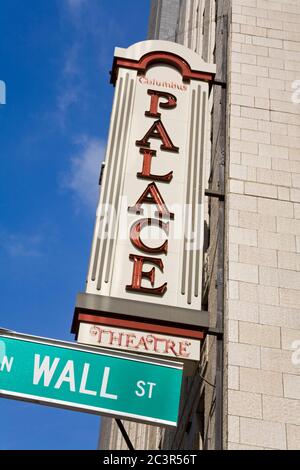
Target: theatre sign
point(145, 275)
point(139, 341)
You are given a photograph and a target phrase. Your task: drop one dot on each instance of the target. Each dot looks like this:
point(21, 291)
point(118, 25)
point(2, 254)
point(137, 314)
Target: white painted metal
point(142, 342)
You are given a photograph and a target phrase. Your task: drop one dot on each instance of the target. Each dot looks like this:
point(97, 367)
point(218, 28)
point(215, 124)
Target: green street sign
point(89, 379)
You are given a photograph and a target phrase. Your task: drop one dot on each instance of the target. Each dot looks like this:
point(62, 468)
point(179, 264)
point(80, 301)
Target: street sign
point(89, 379)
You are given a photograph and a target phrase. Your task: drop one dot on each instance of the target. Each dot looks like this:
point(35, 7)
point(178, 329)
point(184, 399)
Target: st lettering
point(146, 262)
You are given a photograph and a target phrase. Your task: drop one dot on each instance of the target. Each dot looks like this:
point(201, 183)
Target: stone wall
point(263, 220)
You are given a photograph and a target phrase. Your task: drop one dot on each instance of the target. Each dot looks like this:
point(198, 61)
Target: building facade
point(245, 393)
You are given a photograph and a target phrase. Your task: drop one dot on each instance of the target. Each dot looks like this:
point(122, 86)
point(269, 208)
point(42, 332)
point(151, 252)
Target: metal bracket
point(124, 434)
point(215, 332)
point(214, 193)
point(220, 83)
point(101, 173)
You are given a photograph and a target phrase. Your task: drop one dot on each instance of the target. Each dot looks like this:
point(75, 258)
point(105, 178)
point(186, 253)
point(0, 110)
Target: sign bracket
point(124, 434)
point(216, 332)
point(213, 193)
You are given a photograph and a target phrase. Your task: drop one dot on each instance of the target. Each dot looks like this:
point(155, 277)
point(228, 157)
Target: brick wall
point(263, 220)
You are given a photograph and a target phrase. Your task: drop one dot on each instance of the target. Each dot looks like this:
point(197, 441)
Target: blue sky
point(55, 58)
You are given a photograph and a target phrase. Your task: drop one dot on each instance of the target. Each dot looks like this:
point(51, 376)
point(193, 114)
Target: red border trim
point(156, 58)
point(141, 326)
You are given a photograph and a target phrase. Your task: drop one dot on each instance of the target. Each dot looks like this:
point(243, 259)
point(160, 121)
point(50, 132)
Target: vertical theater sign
point(144, 283)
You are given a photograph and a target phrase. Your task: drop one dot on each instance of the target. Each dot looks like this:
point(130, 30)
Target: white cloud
point(84, 172)
point(71, 89)
point(75, 3)
point(71, 66)
point(21, 245)
point(65, 100)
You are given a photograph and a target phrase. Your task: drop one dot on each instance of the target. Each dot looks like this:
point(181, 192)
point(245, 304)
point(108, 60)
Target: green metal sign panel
point(89, 379)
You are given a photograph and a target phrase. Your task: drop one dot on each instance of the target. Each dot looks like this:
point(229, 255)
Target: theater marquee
point(147, 246)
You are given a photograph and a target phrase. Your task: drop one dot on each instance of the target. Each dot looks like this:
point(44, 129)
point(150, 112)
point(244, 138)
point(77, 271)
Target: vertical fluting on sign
point(101, 216)
point(193, 201)
point(113, 182)
point(199, 200)
point(116, 189)
point(109, 206)
point(193, 231)
point(187, 199)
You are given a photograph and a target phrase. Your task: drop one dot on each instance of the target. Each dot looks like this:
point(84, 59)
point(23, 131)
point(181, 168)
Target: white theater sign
point(145, 342)
point(146, 260)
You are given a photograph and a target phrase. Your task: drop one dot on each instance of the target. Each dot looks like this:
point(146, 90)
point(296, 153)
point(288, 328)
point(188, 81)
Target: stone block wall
point(263, 226)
